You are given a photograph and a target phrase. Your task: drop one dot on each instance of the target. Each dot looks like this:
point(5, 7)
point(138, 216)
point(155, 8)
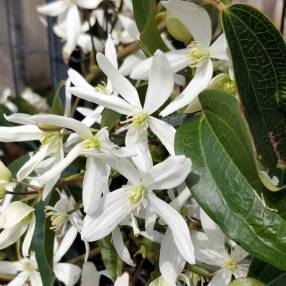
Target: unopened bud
point(178, 30)
point(223, 82)
point(5, 174)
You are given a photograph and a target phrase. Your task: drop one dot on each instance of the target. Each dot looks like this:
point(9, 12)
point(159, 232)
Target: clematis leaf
point(109, 119)
point(259, 59)
point(43, 241)
point(224, 179)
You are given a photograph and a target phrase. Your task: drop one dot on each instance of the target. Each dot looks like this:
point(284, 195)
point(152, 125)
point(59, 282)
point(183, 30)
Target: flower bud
point(2, 192)
point(223, 82)
point(5, 174)
point(178, 30)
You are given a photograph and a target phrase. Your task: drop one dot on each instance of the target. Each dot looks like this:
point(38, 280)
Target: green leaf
point(145, 17)
point(57, 106)
point(16, 165)
point(246, 282)
point(24, 106)
point(259, 59)
point(109, 256)
point(224, 177)
point(43, 241)
point(109, 119)
point(266, 273)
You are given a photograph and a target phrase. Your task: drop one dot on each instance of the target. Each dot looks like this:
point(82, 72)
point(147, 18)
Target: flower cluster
point(124, 183)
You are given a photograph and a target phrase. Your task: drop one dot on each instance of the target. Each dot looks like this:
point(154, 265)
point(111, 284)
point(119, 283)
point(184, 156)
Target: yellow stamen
point(198, 54)
point(136, 195)
point(230, 264)
point(92, 143)
point(139, 120)
point(101, 88)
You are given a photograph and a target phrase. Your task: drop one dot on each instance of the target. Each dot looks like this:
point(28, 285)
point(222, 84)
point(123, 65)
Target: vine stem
point(218, 4)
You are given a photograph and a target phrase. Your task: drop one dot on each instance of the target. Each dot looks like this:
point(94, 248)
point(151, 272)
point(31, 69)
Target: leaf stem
point(218, 4)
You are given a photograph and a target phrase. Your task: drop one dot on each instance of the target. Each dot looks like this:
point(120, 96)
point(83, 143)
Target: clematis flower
point(138, 194)
point(210, 249)
point(101, 153)
point(69, 16)
point(138, 118)
point(198, 54)
point(15, 220)
point(26, 270)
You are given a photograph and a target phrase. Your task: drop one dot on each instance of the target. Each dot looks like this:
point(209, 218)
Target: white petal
point(156, 236)
point(194, 17)
point(239, 253)
point(164, 131)
point(171, 262)
point(14, 213)
point(35, 278)
point(88, 4)
point(66, 243)
point(168, 174)
point(33, 162)
point(160, 79)
point(68, 98)
point(20, 133)
point(114, 209)
point(218, 49)
point(78, 80)
point(129, 26)
point(137, 141)
point(67, 273)
point(221, 278)
point(28, 237)
point(62, 165)
point(20, 118)
point(90, 276)
point(130, 62)
point(112, 102)
point(150, 219)
point(11, 235)
point(95, 183)
point(120, 248)
point(118, 81)
point(110, 52)
point(123, 280)
point(81, 129)
point(73, 30)
point(53, 9)
point(181, 199)
point(177, 225)
point(19, 280)
point(8, 267)
point(200, 81)
point(211, 229)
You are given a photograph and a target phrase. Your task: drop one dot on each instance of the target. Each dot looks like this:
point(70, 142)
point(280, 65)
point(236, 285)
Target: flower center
point(230, 86)
point(139, 120)
point(198, 54)
point(50, 137)
point(92, 143)
point(29, 267)
point(58, 218)
point(136, 195)
point(230, 264)
point(101, 88)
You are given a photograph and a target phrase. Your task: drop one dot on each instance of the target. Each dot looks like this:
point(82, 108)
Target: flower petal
point(88, 4)
point(35, 278)
point(164, 131)
point(95, 183)
point(218, 49)
point(171, 262)
point(53, 9)
point(120, 248)
point(20, 279)
point(130, 62)
point(77, 126)
point(177, 225)
point(160, 79)
point(20, 118)
point(28, 237)
point(194, 17)
point(114, 209)
point(20, 133)
point(14, 213)
point(78, 80)
point(111, 102)
point(123, 280)
point(118, 81)
point(200, 81)
point(221, 278)
point(8, 267)
point(90, 276)
point(67, 273)
point(168, 174)
point(110, 52)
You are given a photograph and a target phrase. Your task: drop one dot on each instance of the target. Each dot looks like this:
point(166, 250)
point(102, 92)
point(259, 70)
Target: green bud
point(5, 174)
point(246, 282)
point(178, 30)
point(223, 82)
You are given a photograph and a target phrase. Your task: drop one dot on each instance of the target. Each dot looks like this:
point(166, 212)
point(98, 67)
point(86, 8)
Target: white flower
point(69, 16)
point(35, 99)
point(118, 205)
point(139, 118)
point(100, 153)
point(198, 54)
point(122, 280)
point(16, 219)
point(26, 270)
point(210, 249)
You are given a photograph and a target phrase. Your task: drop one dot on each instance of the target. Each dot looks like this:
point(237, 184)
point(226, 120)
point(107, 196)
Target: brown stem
point(22, 193)
point(218, 4)
point(80, 259)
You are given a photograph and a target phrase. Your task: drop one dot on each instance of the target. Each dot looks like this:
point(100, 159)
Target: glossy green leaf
point(246, 282)
point(109, 256)
point(267, 273)
point(259, 60)
point(224, 178)
point(109, 119)
point(43, 241)
point(145, 17)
